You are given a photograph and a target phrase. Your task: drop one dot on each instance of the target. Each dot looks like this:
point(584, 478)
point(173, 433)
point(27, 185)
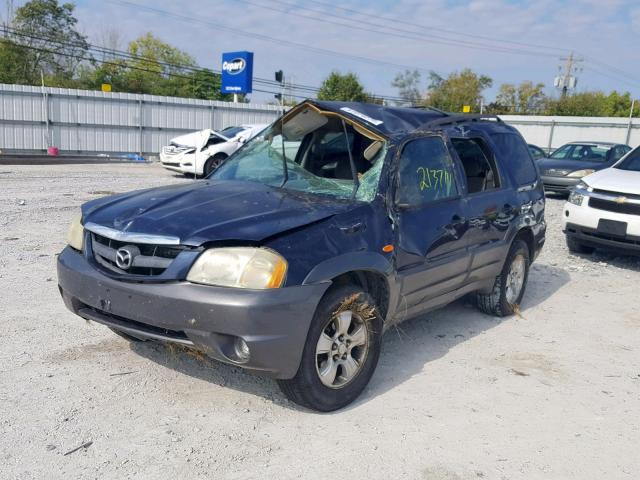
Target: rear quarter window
point(516, 158)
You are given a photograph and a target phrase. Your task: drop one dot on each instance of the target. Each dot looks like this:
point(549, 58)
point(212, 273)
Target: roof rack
point(455, 119)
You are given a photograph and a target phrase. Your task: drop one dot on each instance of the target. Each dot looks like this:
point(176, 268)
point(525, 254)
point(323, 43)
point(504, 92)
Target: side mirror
point(242, 140)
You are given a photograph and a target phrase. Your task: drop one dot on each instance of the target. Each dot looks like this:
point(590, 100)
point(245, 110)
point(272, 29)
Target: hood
point(569, 166)
point(210, 210)
point(615, 180)
point(196, 139)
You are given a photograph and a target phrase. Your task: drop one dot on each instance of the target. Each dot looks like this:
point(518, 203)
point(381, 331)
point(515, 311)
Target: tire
point(353, 364)
point(213, 163)
point(509, 286)
point(575, 246)
point(126, 336)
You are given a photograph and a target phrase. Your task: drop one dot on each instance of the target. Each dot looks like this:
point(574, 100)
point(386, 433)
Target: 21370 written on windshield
point(434, 179)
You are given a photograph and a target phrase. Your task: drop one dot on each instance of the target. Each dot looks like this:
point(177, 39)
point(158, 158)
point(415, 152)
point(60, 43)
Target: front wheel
point(508, 288)
point(341, 351)
point(213, 163)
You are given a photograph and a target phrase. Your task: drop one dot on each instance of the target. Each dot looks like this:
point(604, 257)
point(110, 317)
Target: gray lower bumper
point(559, 184)
point(273, 323)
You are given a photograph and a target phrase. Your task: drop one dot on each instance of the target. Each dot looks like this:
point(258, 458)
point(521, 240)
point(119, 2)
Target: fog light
point(241, 350)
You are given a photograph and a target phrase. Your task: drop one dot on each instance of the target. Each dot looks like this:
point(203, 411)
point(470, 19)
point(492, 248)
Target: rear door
point(431, 255)
point(490, 205)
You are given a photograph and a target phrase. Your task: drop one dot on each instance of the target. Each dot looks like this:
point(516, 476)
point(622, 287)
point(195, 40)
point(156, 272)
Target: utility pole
point(567, 80)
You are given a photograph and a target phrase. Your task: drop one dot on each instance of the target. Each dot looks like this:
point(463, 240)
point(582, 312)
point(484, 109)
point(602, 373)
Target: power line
point(423, 26)
point(118, 54)
point(382, 29)
point(237, 31)
point(334, 7)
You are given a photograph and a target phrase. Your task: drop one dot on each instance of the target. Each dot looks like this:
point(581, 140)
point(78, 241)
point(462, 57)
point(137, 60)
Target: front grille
point(617, 194)
point(613, 206)
point(148, 260)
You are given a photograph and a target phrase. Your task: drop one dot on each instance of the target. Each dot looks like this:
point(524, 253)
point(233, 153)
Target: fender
point(349, 262)
point(354, 261)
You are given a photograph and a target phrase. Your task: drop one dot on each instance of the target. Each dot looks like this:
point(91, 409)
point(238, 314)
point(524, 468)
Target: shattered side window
point(369, 181)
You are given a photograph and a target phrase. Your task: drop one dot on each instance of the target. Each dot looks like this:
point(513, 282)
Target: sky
point(508, 40)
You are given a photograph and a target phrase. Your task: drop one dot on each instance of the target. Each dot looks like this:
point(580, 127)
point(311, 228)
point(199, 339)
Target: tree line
point(42, 43)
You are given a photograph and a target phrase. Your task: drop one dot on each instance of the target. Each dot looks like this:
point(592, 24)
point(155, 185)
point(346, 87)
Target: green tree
point(457, 90)
point(346, 88)
point(46, 35)
point(526, 99)
point(11, 61)
point(593, 104)
point(408, 85)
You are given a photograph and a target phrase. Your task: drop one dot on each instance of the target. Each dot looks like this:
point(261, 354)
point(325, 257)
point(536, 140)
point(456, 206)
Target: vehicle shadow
point(406, 349)
point(613, 258)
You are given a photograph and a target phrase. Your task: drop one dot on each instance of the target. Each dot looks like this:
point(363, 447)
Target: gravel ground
point(553, 393)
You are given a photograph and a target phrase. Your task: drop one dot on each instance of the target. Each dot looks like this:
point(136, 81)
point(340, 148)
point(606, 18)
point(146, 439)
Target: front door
point(431, 255)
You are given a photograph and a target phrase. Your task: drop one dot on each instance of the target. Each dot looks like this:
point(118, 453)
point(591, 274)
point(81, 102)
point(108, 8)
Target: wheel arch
point(371, 271)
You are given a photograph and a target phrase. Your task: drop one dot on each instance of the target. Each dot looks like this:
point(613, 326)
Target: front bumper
point(174, 167)
point(559, 184)
point(581, 222)
point(273, 323)
point(591, 237)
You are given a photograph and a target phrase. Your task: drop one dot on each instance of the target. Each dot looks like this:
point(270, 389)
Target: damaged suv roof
point(386, 121)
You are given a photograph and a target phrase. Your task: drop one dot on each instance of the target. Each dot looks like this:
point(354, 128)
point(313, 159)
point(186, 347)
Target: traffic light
point(279, 76)
point(278, 96)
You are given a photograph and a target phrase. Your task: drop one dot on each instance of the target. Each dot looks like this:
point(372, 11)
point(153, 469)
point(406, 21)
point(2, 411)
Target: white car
point(604, 209)
point(199, 153)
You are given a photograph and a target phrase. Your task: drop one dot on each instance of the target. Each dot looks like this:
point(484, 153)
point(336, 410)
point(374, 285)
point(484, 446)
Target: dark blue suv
point(294, 256)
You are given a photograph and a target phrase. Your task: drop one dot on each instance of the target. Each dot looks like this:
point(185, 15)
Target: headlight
point(242, 267)
point(581, 173)
point(75, 234)
point(576, 197)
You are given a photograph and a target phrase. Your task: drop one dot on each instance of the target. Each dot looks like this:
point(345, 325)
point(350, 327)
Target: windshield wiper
point(354, 172)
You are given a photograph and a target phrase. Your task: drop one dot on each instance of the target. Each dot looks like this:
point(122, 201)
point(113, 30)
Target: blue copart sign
point(237, 72)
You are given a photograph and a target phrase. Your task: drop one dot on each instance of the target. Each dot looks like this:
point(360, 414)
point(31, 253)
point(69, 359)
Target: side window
point(619, 152)
point(426, 172)
point(513, 151)
point(562, 152)
point(479, 169)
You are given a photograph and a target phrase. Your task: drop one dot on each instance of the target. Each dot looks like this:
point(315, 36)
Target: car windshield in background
point(231, 132)
point(588, 152)
point(632, 162)
point(316, 150)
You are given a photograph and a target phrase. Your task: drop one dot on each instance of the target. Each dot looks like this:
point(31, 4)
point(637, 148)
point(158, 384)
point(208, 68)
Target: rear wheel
point(509, 286)
point(576, 246)
point(213, 163)
point(341, 351)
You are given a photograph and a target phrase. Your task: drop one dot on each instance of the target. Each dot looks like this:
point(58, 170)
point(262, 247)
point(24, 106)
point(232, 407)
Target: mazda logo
point(124, 258)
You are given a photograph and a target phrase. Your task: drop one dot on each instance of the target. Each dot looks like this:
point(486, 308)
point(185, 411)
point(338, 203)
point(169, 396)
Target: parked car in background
point(333, 224)
point(536, 152)
point(201, 152)
point(564, 168)
point(604, 209)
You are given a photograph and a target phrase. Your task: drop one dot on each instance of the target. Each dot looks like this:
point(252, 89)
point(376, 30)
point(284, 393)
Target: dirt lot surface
point(553, 394)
